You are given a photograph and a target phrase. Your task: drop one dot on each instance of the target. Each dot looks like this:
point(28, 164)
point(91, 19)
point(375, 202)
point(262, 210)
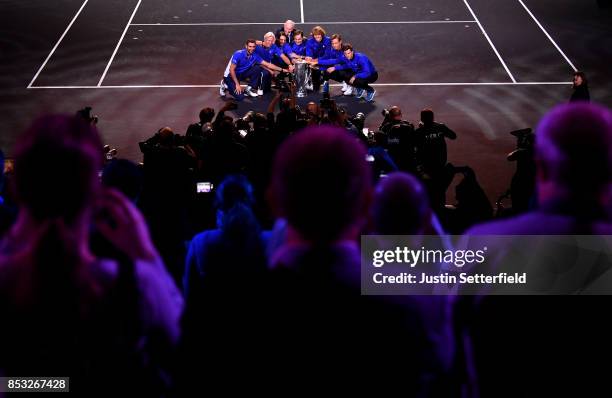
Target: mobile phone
point(204, 187)
point(243, 133)
point(366, 131)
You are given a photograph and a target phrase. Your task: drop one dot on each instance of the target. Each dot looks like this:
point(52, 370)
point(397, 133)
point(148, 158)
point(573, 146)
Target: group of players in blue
point(328, 57)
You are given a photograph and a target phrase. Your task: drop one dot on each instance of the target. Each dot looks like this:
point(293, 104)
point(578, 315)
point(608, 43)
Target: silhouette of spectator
point(557, 342)
point(108, 325)
point(223, 279)
point(232, 252)
point(322, 186)
point(124, 176)
point(401, 207)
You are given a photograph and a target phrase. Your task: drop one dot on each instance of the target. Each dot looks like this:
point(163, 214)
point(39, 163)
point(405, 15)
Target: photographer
point(400, 133)
point(522, 187)
point(168, 173)
point(431, 156)
point(472, 205)
point(286, 121)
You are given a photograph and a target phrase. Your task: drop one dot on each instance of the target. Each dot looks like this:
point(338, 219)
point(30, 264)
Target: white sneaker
point(222, 88)
point(349, 90)
point(260, 92)
point(344, 87)
point(249, 91)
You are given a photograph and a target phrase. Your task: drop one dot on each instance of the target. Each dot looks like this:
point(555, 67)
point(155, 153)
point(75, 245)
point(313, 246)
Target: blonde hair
point(317, 30)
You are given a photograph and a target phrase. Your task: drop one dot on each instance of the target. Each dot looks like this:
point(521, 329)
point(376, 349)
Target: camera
point(85, 113)
point(524, 143)
point(385, 112)
point(109, 153)
point(524, 138)
point(204, 187)
point(282, 85)
point(326, 102)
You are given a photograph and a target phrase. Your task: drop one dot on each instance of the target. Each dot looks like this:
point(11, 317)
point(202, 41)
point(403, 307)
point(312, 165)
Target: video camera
point(525, 139)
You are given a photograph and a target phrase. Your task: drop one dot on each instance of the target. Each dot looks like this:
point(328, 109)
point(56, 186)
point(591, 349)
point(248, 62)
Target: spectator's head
point(427, 117)
point(318, 33)
point(574, 153)
point(336, 41)
point(269, 39)
point(207, 115)
point(125, 176)
point(234, 201)
point(235, 189)
point(400, 206)
point(321, 184)
point(288, 26)
point(580, 79)
point(56, 167)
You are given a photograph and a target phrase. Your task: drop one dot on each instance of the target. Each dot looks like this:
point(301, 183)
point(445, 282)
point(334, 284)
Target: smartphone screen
point(204, 187)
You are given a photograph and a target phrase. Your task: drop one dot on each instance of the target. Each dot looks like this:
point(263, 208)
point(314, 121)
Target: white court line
point(302, 9)
point(118, 44)
point(57, 44)
point(333, 85)
point(490, 42)
point(309, 23)
point(547, 35)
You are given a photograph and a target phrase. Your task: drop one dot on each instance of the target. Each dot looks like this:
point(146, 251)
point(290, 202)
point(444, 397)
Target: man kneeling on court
point(245, 65)
point(361, 70)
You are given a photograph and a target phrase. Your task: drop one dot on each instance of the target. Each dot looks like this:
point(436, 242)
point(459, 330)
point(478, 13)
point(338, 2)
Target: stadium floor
point(486, 67)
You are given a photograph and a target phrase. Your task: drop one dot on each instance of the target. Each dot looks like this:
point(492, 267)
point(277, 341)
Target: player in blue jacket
point(362, 72)
point(334, 56)
point(270, 52)
point(316, 46)
point(245, 65)
point(297, 49)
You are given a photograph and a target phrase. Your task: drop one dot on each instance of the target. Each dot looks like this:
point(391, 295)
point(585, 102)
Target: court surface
point(486, 67)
